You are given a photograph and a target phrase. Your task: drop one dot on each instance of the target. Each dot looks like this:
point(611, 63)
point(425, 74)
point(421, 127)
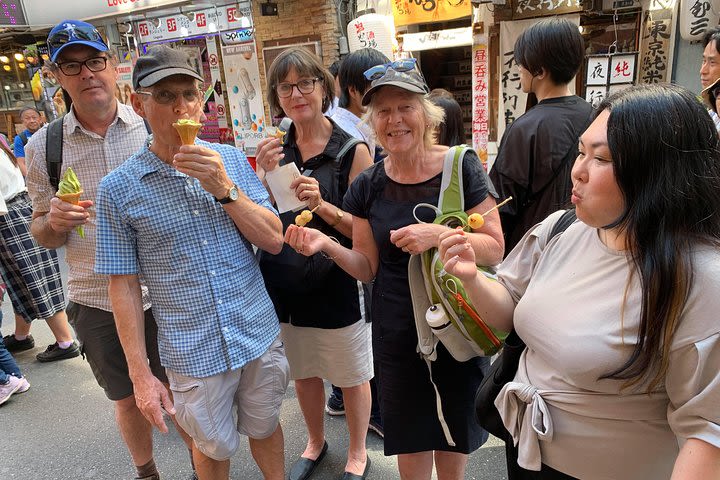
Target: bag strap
point(23, 138)
point(452, 198)
point(53, 151)
point(566, 219)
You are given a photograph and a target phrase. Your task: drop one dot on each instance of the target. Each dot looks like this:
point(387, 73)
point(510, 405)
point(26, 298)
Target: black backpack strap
point(53, 151)
point(565, 220)
point(23, 138)
point(350, 143)
point(147, 126)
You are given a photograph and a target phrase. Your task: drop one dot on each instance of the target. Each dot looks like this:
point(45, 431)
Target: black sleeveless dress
point(407, 396)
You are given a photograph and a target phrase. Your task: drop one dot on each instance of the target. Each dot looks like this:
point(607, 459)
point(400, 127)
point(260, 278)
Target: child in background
point(11, 380)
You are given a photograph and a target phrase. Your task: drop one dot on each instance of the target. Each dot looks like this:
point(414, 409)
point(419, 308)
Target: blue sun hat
point(74, 32)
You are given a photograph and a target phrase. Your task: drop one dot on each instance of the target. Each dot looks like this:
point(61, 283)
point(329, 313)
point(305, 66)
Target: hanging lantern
point(372, 31)
point(696, 17)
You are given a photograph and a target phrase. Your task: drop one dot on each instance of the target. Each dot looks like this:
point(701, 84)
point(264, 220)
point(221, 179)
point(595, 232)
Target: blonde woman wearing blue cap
point(98, 134)
point(385, 234)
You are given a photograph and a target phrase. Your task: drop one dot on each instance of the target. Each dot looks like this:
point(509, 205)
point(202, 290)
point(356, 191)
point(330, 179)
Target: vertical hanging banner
point(513, 98)
point(410, 12)
point(656, 42)
point(242, 79)
point(123, 88)
point(480, 74)
point(218, 98)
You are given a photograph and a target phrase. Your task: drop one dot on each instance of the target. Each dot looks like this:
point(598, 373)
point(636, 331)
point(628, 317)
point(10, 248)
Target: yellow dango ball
point(304, 218)
point(476, 221)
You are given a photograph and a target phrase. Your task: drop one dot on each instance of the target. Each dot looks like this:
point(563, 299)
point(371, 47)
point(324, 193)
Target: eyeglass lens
point(165, 97)
point(306, 85)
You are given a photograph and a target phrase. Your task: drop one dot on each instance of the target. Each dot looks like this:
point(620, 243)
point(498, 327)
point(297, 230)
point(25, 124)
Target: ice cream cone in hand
point(73, 198)
point(188, 130)
point(69, 190)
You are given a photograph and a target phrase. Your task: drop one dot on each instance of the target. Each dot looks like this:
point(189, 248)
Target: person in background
point(31, 120)
point(536, 152)
point(334, 70)
point(711, 97)
point(353, 86)
point(385, 233)
point(322, 315)
point(625, 384)
point(451, 131)
point(11, 378)
point(99, 133)
point(218, 334)
point(710, 68)
point(30, 271)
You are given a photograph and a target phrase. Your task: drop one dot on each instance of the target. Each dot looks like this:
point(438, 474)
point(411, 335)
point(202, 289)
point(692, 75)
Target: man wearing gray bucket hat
point(183, 213)
point(93, 138)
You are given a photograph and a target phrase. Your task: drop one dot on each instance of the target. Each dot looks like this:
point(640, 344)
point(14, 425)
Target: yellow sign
point(409, 12)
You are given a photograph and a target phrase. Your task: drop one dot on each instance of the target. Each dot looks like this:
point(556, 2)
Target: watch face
point(233, 193)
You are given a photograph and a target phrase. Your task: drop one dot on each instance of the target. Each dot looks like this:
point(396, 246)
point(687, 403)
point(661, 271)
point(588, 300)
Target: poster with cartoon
point(242, 79)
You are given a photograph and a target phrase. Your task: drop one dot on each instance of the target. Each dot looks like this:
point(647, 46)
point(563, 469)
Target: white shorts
point(205, 406)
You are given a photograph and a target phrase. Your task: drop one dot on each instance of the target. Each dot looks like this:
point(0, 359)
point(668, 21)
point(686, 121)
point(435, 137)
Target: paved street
point(63, 428)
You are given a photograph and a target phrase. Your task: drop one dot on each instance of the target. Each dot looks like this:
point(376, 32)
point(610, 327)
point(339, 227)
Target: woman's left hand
point(305, 241)
point(416, 238)
point(307, 189)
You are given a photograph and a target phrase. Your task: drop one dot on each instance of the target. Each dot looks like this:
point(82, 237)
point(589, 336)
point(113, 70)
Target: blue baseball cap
point(74, 32)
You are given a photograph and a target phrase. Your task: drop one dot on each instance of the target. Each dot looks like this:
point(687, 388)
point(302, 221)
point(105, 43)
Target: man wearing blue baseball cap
point(94, 137)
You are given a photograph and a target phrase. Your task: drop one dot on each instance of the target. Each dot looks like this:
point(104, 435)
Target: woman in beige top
point(620, 376)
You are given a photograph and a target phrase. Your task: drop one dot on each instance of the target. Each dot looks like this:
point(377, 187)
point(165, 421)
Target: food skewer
point(477, 220)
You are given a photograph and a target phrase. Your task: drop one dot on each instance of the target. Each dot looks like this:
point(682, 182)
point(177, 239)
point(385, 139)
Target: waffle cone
point(187, 132)
point(73, 198)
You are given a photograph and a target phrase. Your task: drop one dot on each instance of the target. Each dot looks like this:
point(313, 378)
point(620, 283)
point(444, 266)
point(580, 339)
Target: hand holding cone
point(69, 190)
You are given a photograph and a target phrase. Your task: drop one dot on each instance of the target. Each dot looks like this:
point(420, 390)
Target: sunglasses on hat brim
point(74, 33)
point(402, 65)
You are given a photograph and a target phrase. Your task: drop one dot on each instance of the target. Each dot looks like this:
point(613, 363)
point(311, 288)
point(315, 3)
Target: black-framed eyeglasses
point(95, 64)
point(74, 33)
point(166, 97)
point(715, 92)
point(402, 65)
point(305, 86)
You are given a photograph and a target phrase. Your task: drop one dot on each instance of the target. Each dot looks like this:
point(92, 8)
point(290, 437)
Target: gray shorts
point(205, 406)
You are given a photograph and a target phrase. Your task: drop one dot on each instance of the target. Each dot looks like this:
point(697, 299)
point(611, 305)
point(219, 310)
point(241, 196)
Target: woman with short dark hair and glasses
point(320, 307)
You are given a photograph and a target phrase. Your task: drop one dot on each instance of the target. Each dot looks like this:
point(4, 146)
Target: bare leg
point(136, 431)
point(21, 326)
point(311, 397)
point(357, 412)
point(60, 327)
point(208, 468)
point(450, 465)
point(269, 454)
point(415, 466)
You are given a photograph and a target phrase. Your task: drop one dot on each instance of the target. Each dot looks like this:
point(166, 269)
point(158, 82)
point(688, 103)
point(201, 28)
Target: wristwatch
point(338, 217)
point(232, 195)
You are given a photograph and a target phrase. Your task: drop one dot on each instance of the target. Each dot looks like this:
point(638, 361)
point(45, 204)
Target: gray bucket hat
point(411, 81)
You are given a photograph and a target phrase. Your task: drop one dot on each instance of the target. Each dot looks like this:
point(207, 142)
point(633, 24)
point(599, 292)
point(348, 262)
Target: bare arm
point(256, 223)
point(150, 394)
point(361, 262)
point(492, 300)
point(21, 165)
point(697, 459)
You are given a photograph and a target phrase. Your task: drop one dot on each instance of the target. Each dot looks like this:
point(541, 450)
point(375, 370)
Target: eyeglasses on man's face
point(95, 64)
point(402, 65)
point(166, 97)
point(305, 86)
point(72, 33)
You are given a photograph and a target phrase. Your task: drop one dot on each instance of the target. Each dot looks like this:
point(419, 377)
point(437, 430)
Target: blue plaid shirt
point(207, 292)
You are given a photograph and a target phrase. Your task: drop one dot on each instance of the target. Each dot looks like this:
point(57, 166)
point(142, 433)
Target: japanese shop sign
point(453, 37)
point(409, 12)
point(656, 42)
point(541, 8)
point(606, 73)
point(371, 31)
point(696, 16)
point(480, 111)
point(212, 20)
